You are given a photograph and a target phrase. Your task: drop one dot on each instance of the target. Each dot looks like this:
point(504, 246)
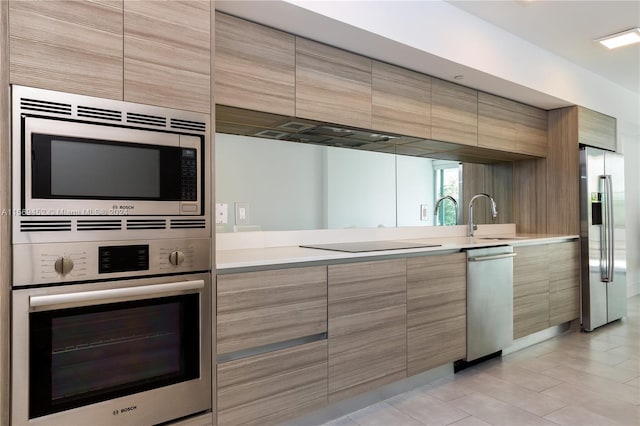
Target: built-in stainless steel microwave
point(89, 164)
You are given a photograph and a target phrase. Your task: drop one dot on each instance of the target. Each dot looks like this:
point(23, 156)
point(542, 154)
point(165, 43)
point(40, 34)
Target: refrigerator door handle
point(609, 226)
point(604, 228)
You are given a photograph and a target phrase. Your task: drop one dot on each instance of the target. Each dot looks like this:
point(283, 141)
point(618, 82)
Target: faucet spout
point(440, 200)
point(494, 210)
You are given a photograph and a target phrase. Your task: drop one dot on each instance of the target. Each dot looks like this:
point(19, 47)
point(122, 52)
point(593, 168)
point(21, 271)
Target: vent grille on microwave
point(99, 225)
point(146, 224)
point(187, 223)
point(149, 120)
point(188, 125)
point(44, 225)
point(45, 106)
point(100, 113)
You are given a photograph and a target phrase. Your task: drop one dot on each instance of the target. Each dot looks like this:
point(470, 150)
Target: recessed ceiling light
point(621, 39)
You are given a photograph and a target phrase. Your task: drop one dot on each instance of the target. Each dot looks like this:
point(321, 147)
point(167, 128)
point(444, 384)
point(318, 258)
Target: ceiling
point(568, 28)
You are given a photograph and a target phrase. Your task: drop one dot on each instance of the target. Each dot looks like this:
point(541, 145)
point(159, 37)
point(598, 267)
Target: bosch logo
point(116, 412)
point(124, 410)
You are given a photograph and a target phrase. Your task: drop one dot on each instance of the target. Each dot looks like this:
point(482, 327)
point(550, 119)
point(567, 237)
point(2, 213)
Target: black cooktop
point(364, 246)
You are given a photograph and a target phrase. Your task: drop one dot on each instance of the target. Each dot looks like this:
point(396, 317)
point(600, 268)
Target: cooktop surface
point(364, 246)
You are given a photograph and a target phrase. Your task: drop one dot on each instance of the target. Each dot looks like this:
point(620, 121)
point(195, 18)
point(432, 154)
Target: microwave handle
point(103, 296)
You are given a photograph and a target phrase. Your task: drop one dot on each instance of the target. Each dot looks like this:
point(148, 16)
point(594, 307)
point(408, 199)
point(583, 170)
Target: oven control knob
point(63, 265)
point(176, 258)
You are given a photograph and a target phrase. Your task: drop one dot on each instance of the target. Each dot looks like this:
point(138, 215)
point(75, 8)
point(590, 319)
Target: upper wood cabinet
point(167, 53)
point(496, 122)
point(255, 66)
point(69, 46)
point(261, 308)
point(454, 113)
point(401, 101)
point(564, 282)
point(436, 311)
point(531, 130)
point(332, 85)
point(596, 129)
point(530, 290)
point(367, 326)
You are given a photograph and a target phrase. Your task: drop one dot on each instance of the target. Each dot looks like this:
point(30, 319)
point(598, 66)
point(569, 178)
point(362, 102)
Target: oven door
point(127, 352)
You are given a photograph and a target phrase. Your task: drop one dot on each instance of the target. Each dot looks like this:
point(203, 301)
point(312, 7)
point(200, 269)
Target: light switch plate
point(424, 212)
point(242, 213)
point(222, 213)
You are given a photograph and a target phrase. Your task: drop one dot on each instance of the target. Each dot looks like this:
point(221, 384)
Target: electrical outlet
point(222, 213)
point(242, 213)
point(424, 212)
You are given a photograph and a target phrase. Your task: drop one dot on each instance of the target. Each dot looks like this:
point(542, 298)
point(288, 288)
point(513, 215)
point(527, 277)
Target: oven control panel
point(69, 262)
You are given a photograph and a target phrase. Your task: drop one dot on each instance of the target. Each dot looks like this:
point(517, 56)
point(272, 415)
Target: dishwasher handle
point(491, 257)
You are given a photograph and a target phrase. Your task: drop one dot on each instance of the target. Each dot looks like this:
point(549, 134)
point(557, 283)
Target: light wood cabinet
point(436, 311)
point(530, 289)
point(454, 113)
point(255, 66)
point(269, 388)
point(531, 130)
point(167, 53)
point(367, 326)
point(69, 46)
point(564, 282)
point(496, 122)
point(401, 101)
point(261, 308)
point(332, 85)
point(596, 129)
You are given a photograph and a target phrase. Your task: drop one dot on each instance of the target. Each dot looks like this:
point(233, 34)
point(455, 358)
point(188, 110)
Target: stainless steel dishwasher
point(489, 300)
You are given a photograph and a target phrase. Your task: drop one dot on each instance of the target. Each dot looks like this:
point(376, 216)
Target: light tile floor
point(576, 379)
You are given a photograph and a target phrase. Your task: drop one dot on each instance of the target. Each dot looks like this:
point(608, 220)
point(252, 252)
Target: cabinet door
point(530, 290)
point(596, 129)
point(401, 101)
point(255, 66)
point(454, 113)
point(70, 46)
point(531, 130)
point(268, 388)
point(332, 85)
point(167, 53)
point(496, 122)
point(261, 308)
point(436, 311)
point(367, 326)
point(564, 282)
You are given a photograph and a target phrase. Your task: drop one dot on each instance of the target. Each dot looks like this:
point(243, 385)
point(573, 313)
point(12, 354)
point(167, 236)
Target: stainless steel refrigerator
point(602, 231)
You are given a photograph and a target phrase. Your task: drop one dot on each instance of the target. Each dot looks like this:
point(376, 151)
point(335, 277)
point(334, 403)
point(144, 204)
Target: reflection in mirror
point(295, 186)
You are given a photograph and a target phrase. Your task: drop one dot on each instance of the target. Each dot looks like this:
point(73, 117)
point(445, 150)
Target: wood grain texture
point(496, 122)
point(260, 308)
point(167, 53)
point(255, 66)
point(273, 387)
point(531, 130)
point(530, 196)
point(494, 179)
point(436, 311)
point(564, 282)
point(530, 290)
point(332, 85)
point(5, 220)
point(454, 113)
point(70, 46)
point(401, 101)
point(367, 326)
point(596, 129)
point(563, 169)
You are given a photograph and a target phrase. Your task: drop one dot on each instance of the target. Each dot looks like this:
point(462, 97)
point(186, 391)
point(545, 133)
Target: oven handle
point(116, 293)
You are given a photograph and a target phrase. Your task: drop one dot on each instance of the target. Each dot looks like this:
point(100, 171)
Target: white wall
point(629, 144)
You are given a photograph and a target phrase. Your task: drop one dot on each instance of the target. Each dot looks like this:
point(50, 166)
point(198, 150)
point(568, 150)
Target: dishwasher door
point(489, 300)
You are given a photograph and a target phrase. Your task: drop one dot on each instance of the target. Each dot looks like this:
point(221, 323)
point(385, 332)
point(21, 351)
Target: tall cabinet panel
point(255, 66)
point(367, 326)
point(167, 53)
point(332, 85)
point(69, 46)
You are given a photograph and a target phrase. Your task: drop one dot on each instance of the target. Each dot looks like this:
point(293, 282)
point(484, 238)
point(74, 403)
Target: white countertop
point(291, 254)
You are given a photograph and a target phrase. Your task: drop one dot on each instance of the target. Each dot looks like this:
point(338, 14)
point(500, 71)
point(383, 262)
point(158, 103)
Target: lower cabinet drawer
point(272, 387)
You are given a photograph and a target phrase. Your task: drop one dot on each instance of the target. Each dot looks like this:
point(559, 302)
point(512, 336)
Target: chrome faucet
point(440, 200)
point(494, 211)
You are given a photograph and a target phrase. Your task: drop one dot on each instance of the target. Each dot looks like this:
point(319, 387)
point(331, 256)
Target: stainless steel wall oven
point(111, 280)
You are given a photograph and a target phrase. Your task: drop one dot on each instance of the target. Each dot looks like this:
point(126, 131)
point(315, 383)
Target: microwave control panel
point(69, 262)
